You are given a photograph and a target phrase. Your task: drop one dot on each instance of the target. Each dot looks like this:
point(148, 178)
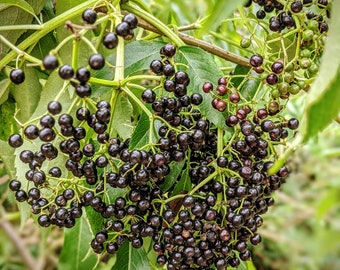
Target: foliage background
point(302, 231)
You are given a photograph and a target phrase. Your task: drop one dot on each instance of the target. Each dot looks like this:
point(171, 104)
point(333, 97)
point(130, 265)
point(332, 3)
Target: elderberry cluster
point(286, 75)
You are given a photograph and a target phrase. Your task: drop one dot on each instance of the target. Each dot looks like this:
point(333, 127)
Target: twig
point(13, 235)
point(190, 40)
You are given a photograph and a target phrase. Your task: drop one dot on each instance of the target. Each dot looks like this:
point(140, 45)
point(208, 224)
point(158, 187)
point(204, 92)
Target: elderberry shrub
point(228, 184)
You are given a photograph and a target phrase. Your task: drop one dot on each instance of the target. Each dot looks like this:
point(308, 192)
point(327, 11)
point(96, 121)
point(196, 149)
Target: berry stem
point(142, 77)
point(205, 181)
point(19, 52)
point(155, 22)
point(104, 82)
point(45, 29)
point(138, 101)
point(75, 52)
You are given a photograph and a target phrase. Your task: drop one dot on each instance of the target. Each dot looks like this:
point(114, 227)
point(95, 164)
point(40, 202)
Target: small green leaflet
point(77, 253)
point(175, 171)
point(131, 258)
point(183, 184)
point(201, 68)
point(140, 135)
point(21, 4)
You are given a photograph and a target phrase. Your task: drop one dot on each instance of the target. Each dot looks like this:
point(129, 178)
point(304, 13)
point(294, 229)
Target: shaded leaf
point(121, 120)
point(140, 135)
point(21, 4)
point(131, 258)
point(8, 158)
point(4, 90)
point(239, 70)
point(202, 68)
point(8, 125)
point(77, 253)
point(184, 183)
point(322, 104)
point(175, 171)
point(27, 94)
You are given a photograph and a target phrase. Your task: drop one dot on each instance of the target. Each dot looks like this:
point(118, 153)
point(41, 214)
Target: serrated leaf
point(4, 90)
point(139, 55)
point(239, 70)
point(8, 126)
point(121, 120)
point(130, 258)
point(140, 135)
point(184, 183)
point(76, 253)
point(202, 68)
point(276, 46)
point(322, 104)
point(175, 171)
point(27, 94)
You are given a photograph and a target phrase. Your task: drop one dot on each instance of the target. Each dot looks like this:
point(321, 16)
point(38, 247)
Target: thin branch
point(23, 251)
point(190, 40)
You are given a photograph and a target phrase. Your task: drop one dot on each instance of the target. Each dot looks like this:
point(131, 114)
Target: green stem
point(104, 82)
point(19, 52)
point(75, 52)
point(155, 22)
point(20, 27)
point(201, 184)
point(46, 28)
point(142, 77)
point(219, 142)
point(137, 100)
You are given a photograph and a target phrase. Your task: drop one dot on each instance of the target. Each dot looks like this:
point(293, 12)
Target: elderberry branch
point(190, 40)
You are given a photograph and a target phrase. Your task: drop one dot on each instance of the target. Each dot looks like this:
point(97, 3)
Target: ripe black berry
point(17, 76)
point(168, 50)
point(83, 74)
point(54, 107)
point(89, 16)
point(14, 185)
point(293, 123)
point(83, 90)
point(110, 40)
point(123, 29)
point(131, 20)
point(96, 61)
point(50, 62)
point(15, 140)
point(66, 72)
point(256, 60)
point(156, 66)
point(296, 6)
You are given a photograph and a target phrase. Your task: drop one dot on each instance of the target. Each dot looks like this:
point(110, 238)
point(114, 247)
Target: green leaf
point(239, 70)
point(218, 11)
point(8, 158)
point(184, 183)
point(140, 135)
point(4, 90)
point(322, 104)
point(21, 4)
point(202, 68)
point(249, 88)
point(77, 253)
point(175, 171)
point(276, 46)
point(130, 258)
point(8, 126)
point(330, 200)
point(27, 94)
point(121, 120)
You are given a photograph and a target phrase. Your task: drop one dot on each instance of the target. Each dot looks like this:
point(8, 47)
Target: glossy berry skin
point(277, 67)
point(50, 62)
point(169, 50)
point(31, 132)
point(296, 6)
point(123, 29)
point(110, 40)
point(293, 123)
point(83, 90)
point(83, 74)
point(15, 140)
point(54, 107)
point(207, 87)
point(256, 60)
point(131, 20)
point(14, 185)
point(148, 96)
point(17, 76)
point(96, 61)
point(89, 16)
point(156, 66)
point(272, 79)
point(66, 72)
